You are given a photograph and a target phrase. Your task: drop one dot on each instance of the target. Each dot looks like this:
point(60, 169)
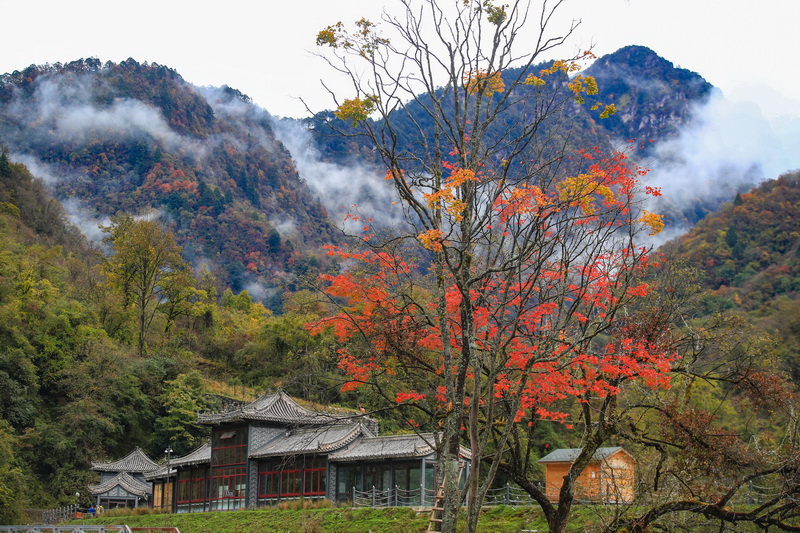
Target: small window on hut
point(227, 435)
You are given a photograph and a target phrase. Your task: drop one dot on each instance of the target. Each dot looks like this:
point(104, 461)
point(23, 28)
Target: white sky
point(263, 47)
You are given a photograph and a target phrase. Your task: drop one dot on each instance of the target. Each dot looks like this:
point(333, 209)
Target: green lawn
point(329, 520)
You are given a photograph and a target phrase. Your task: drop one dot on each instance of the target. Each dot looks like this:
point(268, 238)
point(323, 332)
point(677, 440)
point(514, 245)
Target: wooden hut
point(608, 478)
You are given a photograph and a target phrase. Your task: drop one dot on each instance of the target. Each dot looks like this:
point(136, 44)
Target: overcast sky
point(264, 48)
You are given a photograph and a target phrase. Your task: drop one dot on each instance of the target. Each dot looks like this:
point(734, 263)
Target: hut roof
point(569, 455)
point(390, 446)
point(200, 455)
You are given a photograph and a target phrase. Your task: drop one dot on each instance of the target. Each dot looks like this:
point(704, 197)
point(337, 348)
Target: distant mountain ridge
point(135, 137)
point(653, 97)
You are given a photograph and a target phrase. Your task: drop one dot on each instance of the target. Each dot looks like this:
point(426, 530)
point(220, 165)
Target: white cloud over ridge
point(728, 147)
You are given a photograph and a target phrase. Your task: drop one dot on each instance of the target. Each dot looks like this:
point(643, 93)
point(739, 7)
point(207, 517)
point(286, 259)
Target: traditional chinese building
point(122, 482)
point(609, 476)
point(273, 449)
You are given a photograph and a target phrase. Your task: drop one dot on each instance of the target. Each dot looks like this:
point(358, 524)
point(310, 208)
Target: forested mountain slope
point(134, 137)
point(749, 254)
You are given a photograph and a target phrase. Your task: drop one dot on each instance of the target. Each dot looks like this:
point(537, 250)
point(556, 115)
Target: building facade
point(273, 449)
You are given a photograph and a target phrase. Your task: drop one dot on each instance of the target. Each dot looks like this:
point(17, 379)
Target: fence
point(392, 497)
point(396, 497)
point(508, 495)
point(53, 516)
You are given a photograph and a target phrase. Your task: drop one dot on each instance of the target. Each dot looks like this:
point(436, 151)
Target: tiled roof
point(312, 440)
point(126, 481)
point(200, 455)
point(568, 455)
point(392, 446)
point(277, 407)
point(160, 473)
point(136, 461)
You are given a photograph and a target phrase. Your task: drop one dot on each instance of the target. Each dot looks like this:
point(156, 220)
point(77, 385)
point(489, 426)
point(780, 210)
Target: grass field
point(499, 519)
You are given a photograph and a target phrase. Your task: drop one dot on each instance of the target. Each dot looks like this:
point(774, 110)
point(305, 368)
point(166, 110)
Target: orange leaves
point(402, 397)
point(520, 201)
point(433, 239)
point(447, 197)
point(536, 323)
point(483, 83)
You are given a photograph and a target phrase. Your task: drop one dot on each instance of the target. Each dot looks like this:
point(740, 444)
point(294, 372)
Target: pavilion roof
point(569, 455)
point(313, 440)
point(124, 480)
point(136, 461)
point(275, 407)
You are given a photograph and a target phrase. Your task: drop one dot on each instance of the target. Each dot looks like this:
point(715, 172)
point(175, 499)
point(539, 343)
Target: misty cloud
point(728, 147)
point(85, 220)
point(66, 108)
point(340, 188)
point(37, 167)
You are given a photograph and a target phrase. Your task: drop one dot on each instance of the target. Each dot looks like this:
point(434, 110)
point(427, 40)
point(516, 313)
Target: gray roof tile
point(277, 407)
point(136, 461)
point(392, 446)
point(126, 481)
point(320, 440)
point(568, 455)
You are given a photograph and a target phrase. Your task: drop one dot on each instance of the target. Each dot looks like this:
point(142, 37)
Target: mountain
point(656, 102)
point(137, 138)
point(654, 98)
point(218, 171)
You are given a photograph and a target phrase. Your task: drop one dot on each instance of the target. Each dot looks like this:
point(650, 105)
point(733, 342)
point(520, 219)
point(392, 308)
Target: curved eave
point(126, 482)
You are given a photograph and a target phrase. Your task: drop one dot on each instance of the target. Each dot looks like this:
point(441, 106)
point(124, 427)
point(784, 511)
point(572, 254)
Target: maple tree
point(526, 253)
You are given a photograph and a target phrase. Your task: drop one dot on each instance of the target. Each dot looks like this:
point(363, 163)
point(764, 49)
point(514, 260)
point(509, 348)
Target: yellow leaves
point(580, 190)
point(330, 36)
point(653, 221)
point(482, 83)
point(356, 109)
point(582, 84)
point(608, 111)
point(534, 80)
point(495, 14)
point(363, 42)
point(567, 67)
point(432, 239)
